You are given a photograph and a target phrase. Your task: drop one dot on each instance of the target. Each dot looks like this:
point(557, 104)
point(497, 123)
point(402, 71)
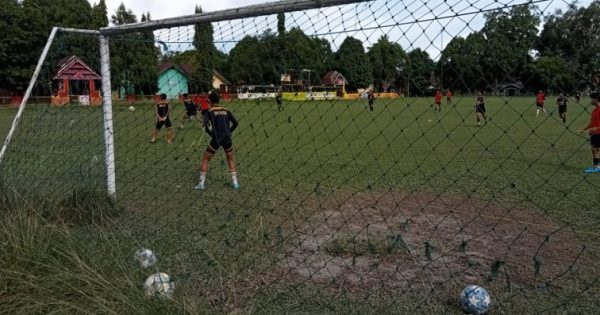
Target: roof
point(186, 69)
point(221, 77)
point(334, 78)
point(74, 68)
point(514, 85)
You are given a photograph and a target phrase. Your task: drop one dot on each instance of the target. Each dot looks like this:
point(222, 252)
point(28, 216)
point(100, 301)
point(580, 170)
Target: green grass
point(224, 247)
point(6, 118)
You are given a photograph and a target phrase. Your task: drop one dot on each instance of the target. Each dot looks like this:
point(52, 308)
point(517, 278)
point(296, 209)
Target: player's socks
point(201, 181)
point(234, 180)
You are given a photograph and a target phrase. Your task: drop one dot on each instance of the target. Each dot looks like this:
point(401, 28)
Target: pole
point(36, 73)
point(109, 146)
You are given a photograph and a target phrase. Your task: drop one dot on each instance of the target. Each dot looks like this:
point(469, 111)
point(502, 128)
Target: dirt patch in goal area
point(418, 241)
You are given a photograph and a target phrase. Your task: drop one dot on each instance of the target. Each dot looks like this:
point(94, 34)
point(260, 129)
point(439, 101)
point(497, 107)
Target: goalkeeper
point(219, 123)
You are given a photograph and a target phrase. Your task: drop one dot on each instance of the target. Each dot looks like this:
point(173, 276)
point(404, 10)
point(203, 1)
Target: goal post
point(371, 169)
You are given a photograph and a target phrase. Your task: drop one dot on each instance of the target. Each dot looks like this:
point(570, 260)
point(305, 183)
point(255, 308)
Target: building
point(173, 80)
point(75, 80)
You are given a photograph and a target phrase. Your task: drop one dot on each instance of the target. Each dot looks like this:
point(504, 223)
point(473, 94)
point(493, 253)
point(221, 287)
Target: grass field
point(341, 210)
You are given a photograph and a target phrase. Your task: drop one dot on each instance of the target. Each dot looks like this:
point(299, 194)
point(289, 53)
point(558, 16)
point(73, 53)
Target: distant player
point(162, 110)
point(437, 101)
point(540, 98)
point(480, 109)
point(278, 99)
point(577, 97)
point(191, 110)
point(448, 97)
point(219, 124)
point(371, 98)
point(593, 129)
point(561, 102)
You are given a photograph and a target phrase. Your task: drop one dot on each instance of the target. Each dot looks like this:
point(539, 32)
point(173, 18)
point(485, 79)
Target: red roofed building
point(76, 79)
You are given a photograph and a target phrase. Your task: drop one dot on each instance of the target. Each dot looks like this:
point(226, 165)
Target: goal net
point(388, 153)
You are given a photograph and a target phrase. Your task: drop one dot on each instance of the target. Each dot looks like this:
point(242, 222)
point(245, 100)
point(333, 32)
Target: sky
point(425, 24)
point(160, 9)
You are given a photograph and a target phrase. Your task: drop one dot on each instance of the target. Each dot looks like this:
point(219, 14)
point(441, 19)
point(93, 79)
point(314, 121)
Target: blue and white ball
point(475, 300)
point(145, 257)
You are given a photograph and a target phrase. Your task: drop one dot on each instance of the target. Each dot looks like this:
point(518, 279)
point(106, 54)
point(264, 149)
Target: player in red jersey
point(438, 101)
point(593, 129)
point(540, 98)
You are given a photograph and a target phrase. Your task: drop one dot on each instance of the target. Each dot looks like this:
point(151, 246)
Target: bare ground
point(433, 243)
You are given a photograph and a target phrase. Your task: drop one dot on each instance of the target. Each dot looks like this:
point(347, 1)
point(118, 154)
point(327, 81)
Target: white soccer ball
point(146, 257)
point(475, 300)
point(131, 108)
point(159, 285)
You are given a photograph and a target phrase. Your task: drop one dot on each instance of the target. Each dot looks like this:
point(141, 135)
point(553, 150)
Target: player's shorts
point(215, 144)
point(595, 141)
point(191, 112)
point(166, 123)
point(480, 108)
point(540, 105)
point(562, 109)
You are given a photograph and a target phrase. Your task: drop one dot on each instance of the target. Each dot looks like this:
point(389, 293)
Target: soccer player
point(562, 101)
point(371, 98)
point(219, 124)
point(278, 98)
point(162, 110)
point(593, 129)
point(191, 110)
point(448, 97)
point(480, 109)
point(438, 101)
point(540, 98)
point(577, 97)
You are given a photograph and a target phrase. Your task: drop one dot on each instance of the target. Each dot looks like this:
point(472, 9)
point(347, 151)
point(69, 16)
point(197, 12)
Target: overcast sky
point(160, 9)
point(425, 24)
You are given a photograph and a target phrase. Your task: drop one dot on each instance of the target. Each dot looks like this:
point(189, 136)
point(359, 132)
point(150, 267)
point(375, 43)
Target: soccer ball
point(146, 257)
point(131, 108)
point(475, 300)
point(159, 285)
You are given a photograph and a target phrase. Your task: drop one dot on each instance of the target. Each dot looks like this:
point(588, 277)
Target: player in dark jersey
point(561, 102)
point(191, 110)
point(278, 99)
point(219, 124)
point(371, 98)
point(593, 129)
point(162, 110)
point(577, 97)
point(480, 108)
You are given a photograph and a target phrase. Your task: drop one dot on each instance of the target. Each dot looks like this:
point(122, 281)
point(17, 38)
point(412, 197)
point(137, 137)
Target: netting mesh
point(344, 206)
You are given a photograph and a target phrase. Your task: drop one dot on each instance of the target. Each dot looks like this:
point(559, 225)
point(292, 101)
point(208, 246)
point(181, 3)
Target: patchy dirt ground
point(406, 242)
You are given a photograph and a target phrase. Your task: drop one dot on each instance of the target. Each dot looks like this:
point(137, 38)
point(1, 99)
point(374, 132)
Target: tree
point(134, 58)
point(386, 59)
point(462, 63)
point(204, 63)
point(418, 72)
point(245, 62)
point(99, 15)
point(281, 24)
point(549, 73)
point(352, 61)
point(509, 38)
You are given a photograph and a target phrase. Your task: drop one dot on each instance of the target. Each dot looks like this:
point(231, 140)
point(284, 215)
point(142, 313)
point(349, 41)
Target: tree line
point(562, 54)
